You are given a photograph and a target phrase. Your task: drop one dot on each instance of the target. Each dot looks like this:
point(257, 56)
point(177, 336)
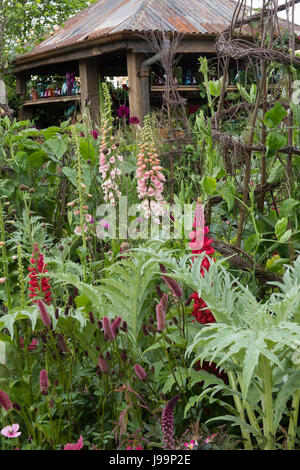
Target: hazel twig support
point(5, 259)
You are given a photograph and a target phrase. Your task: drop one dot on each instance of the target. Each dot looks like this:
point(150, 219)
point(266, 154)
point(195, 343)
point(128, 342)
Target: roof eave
point(93, 42)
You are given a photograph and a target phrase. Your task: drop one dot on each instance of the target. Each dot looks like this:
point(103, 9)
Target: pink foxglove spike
point(197, 236)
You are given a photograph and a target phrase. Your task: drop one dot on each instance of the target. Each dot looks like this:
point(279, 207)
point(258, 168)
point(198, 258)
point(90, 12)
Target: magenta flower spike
point(44, 383)
point(160, 316)
point(171, 283)
point(140, 372)
point(5, 401)
point(77, 446)
point(115, 325)
point(164, 302)
point(103, 365)
point(167, 423)
point(44, 314)
point(108, 332)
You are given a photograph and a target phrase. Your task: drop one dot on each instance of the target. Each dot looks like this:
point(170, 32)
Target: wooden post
point(89, 86)
point(139, 102)
point(21, 90)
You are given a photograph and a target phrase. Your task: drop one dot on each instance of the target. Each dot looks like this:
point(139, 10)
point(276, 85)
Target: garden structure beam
point(89, 86)
point(21, 90)
point(139, 101)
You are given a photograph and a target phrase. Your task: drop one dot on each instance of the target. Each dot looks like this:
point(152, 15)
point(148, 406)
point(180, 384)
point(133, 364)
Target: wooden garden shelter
point(108, 38)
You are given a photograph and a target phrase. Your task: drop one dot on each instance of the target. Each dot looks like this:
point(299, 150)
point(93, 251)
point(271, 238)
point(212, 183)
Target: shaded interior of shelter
point(112, 65)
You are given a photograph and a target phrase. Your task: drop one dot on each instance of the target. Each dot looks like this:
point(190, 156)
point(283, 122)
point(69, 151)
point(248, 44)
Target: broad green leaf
point(209, 185)
point(70, 174)
point(56, 147)
point(274, 142)
point(215, 87)
point(251, 243)
point(237, 422)
point(287, 206)
point(87, 149)
point(50, 132)
point(36, 159)
point(277, 172)
point(274, 116)
point(286, 236)
point(280, 227)
point(286, 391)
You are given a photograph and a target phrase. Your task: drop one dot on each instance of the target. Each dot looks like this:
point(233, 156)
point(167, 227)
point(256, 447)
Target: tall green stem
point(293, 421)
point(80, 191)
point(4, 259)
point(240, 410)
point(267, 402)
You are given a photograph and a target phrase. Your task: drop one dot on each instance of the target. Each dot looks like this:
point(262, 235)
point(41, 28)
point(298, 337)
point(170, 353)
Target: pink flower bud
point(115, 325)
point(140, 372)
point(160, 316)
point(44, 384)
point(108, 332)
point(5, 401)
point(103, 365)
point(44, 314)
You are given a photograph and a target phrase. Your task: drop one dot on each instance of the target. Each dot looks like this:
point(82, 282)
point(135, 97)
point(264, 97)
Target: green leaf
point(36, 159)
point(209, 185)
point(215, 87)
point(276, 173)
point(251, 243)
point(50, 132)
point(70, 174)
point(21, 159)
point(287, 390)
point(55, 147)
point(274, 142)
point(87, 149)
point(286, 236)
point(280, 227)
point(237, 422)
point(7, 321)
point(274, 116)
point(82, 301)
point(287, 206)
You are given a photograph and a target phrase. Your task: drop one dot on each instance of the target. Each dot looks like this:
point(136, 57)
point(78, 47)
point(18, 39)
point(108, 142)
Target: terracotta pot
point(34, 95)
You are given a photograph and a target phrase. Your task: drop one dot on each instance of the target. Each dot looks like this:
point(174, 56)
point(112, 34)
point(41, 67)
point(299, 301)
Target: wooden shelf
point(179, 88)
point(57, 99)
point(189, 88)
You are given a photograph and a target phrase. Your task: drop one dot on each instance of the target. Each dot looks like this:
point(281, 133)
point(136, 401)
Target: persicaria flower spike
point(172, 284)
point(164, 301)
point(140, 372)
point(103, 365)
point(167, 423)
point(62, 343)
point(44, 314)
point(160, 316)
point(5, 401)
point(44, 383)
point(115, 325)
point(108, 331)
